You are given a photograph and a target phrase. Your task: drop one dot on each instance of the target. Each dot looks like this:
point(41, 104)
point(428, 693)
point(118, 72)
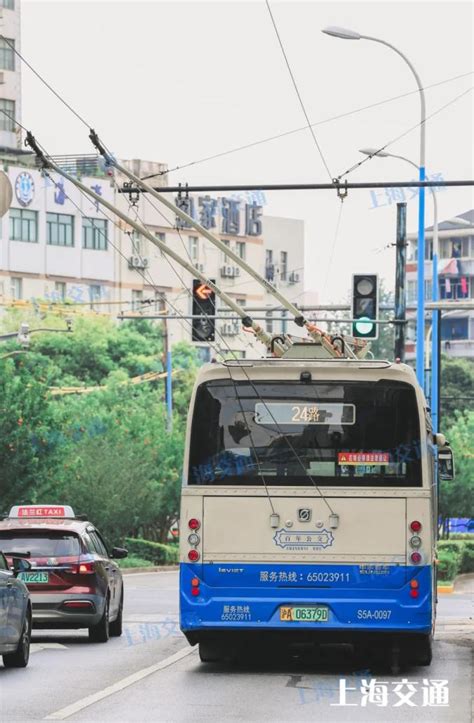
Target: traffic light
point(204, 306)
point(365, 306)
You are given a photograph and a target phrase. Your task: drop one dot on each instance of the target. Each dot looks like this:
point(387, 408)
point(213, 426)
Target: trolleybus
point(309, 507)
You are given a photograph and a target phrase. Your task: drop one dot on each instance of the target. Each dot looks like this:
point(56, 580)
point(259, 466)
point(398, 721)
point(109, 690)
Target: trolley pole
point(400, 282)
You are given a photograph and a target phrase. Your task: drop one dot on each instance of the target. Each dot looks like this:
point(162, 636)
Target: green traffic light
point(364, 326)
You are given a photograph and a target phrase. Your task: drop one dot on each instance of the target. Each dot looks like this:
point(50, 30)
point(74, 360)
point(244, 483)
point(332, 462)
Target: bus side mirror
point(446, 463)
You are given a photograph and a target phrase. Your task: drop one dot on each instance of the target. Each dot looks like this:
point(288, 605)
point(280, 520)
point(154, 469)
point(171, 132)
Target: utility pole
point(400, 281)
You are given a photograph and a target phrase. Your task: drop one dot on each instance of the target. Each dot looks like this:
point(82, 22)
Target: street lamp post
point(346, 34)
point(435, 289)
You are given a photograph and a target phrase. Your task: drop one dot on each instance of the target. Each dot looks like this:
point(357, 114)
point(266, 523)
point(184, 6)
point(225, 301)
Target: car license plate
point(314, 614)
point(34, 577)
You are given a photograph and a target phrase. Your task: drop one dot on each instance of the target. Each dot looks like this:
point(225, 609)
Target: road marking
point(36, 647)
point(79, 705)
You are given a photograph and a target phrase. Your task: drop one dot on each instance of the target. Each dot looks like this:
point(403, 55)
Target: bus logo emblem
point(303, 539)
point(304, 514)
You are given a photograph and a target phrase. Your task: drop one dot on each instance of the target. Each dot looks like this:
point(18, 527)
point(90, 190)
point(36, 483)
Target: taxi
point(73, 578)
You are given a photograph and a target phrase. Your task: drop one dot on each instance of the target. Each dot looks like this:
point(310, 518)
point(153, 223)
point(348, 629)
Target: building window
point(94, 294)
point(428, 289)
point(455, 288)
point(7, 54)
point(160, 236)
point(411, 291)
point(59, 229)
point(194, 248)
point(241, 248)
point(7, 119)
point(9, 4)
point(283, 265)
point(452, 329)
point(269, 267)
point(16, 287)
point(60, 291)
point(23, 225)
point(94, 234)
point(137, 298)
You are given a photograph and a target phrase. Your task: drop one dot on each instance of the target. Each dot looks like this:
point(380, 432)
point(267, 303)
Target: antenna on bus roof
point(353, 348)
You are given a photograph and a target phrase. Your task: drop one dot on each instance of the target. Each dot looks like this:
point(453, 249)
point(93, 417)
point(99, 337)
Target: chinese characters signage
point(232, 216)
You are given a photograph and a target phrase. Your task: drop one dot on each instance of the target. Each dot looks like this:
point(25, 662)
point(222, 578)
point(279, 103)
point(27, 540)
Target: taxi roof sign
point(41, 511)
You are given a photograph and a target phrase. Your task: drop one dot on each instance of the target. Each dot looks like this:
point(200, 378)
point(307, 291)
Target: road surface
point(151, 674)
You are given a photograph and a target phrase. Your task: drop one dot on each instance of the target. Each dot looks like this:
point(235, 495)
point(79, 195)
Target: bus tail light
point(414, 592)
point(195, 582)
point(194, 524)
point(193, 555)
point(195, 591)
point(414, 583)
point(415, 557)
point(415, 541)
point(415, 526)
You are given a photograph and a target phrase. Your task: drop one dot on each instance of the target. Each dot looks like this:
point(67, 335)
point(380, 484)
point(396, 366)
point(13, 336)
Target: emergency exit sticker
point(355, 458)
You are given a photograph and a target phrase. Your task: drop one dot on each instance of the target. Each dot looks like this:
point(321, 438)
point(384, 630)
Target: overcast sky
point(178, 81)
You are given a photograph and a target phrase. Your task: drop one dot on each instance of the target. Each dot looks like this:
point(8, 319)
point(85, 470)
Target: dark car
point(15, 614)
point(74, 580)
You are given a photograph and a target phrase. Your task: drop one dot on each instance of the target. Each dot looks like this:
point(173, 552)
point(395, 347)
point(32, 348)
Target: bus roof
point(291, 369)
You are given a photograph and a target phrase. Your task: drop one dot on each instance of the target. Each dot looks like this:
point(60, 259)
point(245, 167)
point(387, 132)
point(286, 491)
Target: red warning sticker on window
point(363, 458)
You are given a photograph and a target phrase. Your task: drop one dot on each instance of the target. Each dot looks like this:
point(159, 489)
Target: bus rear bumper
point(365, 605)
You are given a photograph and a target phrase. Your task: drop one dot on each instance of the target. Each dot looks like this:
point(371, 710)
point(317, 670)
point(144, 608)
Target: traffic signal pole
point(400, 281)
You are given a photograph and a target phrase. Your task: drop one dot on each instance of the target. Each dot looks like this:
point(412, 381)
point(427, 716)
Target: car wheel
point(19, 659)
point(116, 627)
point(100, 633)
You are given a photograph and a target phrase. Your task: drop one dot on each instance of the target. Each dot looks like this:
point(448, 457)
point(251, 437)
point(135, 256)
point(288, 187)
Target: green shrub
point(155, 552)
point(454, 546)
point(462, 536)
point(133, 561)
point(467, 562)
point(448, 566)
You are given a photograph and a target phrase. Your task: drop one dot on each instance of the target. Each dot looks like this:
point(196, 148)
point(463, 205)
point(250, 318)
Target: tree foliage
point(110, 453)
point(457, 496)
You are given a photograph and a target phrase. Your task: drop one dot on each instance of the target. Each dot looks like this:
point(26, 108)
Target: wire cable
point(303, 128)
point(45, 82)
point(333, 248)
point(295, 85)
point(405, 133)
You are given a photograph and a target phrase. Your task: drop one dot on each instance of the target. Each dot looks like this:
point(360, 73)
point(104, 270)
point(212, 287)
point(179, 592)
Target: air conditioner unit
point(230, 272)
point(138, 262)
point(200, 267)
point(294, 278)
point(229, 329)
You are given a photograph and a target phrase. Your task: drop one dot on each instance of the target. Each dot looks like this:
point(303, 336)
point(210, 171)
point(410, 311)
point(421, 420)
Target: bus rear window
point(289, 433)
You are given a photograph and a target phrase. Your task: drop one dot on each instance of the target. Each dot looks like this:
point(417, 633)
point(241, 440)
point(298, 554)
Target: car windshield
point(48, 544)
point(290, 433)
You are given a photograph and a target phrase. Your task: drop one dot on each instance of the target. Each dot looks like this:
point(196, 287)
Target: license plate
point(314, 614)
point(34, 577)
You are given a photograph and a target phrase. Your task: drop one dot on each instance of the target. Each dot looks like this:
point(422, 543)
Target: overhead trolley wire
point(295, 85)
point(405, 133)
point(268, 139)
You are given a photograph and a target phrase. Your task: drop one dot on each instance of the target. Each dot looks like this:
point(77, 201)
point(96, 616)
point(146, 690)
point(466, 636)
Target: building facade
point(456, 282)
point(10, 75)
